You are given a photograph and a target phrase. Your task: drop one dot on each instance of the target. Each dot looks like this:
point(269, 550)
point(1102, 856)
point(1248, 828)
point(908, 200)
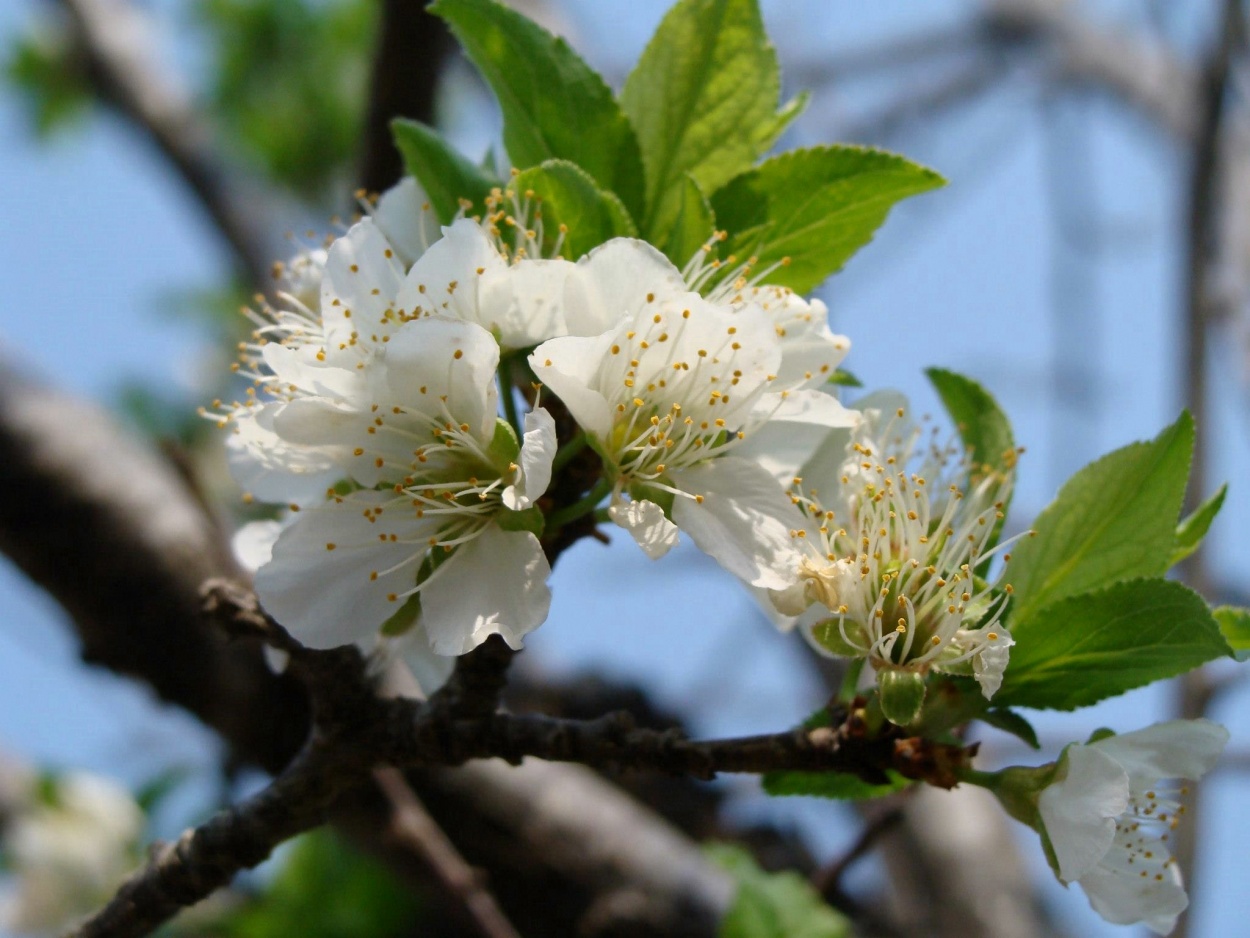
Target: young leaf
point(982, 425)
point(1191, 530)
point(839, 786)
point(571, 198)
point(693, 226)
point(1084, 648)
point(816, 207)
point(1113, 520)
point(1009, 721)
point(703, 100)
point(445, 175)
point(1234, 623)
point(773, 905)
point(843, 378)
point(554, 105)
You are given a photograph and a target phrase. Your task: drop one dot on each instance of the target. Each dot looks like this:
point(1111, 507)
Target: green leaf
point(845, 379)
point(693, 227)
point(816, 207)
point(446, 175)
point(982, 425)
point(703, 100)
point(1084, 648)
point(571, 198)
point(1011, 722)
point(554, 105)
point(772, 905)
point(1191, 530)
point(1234, 623)
point(839, 786)
point(1113, 520)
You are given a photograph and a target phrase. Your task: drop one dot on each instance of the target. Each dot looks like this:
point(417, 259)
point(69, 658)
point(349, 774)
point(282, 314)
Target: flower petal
point(404, 216)
point(743, 521)
point(570, 367)
point(495, 584)
point(358, 289)
point(538, 449)
point(1079, 811)
point(1125, 899)
point(613, 282)
point(798, 426)
point(645, 522)
point(1176, 749)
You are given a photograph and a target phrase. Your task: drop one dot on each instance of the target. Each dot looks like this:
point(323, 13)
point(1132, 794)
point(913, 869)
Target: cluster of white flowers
point(69, 844)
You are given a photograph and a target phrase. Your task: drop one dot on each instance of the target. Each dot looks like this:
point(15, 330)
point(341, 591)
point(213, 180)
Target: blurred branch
point(412, 45)
point(115, 38)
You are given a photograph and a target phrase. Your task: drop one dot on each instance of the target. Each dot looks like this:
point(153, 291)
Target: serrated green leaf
point(982, 425)
point(1191, 530)
point(571, 198)
point(693, 227)
point(1011, 722)
point(703, 100)
point(446, 175)
point(839, 786)
point(816, 207)
point(1084, 648)
point(1234, 623)
point(772, 905)
point(554, 105)
point(1113, 520)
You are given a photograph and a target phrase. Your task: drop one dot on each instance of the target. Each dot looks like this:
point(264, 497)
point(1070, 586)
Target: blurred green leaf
point(839, 786)
point(555, 106)
point(815, 207)
point(42, 67)
point(1234, 623)
point(703, 101)
point(1191, 530)
point(772, 905)
point(1011, 722)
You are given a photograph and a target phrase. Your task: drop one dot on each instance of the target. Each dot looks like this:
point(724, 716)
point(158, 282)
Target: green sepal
point(1234, 623)
point(446, 175)
point(1192, 529)
point(504, 447)
point(828, 635)
point(529, 519)
point(405, 618)
point(844, 379)
point(902, 694)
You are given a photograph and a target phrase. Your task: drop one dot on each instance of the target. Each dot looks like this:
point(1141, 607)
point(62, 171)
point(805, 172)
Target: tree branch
point(115, 40)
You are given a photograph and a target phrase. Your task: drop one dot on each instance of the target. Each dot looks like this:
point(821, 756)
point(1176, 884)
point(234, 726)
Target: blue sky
point(100, 235)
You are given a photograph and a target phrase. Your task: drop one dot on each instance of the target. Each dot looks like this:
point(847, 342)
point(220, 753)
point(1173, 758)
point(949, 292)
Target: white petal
point(645, 522)
point(570, 367)
point(744, 521)
point(271, 469)
point(495, 584)
point(538, 448)
point(1079, 811)
point(358, 290)
point(404, 216)
point(798, 426)
point(252, 544)
point(447, 279)
point(1127, 899)
point(428, 669)
point(1176, 749)
point(328, 596)
point(523, 305)
point(612, 283)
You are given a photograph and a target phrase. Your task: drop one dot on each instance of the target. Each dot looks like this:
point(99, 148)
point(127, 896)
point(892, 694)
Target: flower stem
point(583, 506)
point(568, 451)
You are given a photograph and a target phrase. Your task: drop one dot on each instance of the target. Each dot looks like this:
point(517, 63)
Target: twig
point(114, 37)
point(412, 825)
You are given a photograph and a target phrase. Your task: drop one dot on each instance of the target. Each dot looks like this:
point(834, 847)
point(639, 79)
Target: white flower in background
point(672, 387)
point(1108, 817)
point(70, 847)
point(891, 539)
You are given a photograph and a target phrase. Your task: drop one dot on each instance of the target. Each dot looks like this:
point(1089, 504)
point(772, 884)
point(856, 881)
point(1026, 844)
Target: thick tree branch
point(115, 39)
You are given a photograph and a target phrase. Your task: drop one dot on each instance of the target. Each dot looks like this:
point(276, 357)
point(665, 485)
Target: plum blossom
point(70, 846)
point(1108, 816)
point(666, 393)
point(890, 538)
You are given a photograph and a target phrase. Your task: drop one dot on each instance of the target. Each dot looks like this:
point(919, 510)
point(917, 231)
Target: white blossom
point(1108, 817)
point(69, 847)
point(666, 394)
point(890, 540)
